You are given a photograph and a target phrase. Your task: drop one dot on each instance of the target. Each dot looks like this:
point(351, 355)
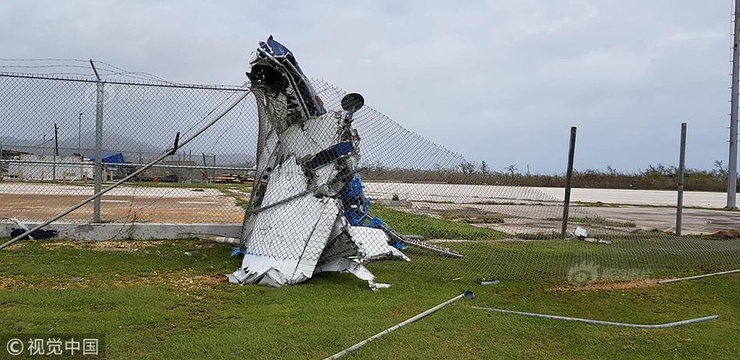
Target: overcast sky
point(500, 81)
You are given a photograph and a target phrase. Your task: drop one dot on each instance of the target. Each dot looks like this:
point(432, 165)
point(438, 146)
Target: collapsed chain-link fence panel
point(505, 230)
point(447, 218)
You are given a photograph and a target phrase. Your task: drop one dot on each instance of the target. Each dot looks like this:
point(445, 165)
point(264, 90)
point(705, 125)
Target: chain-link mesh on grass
point(505, 230)
point(421, 190)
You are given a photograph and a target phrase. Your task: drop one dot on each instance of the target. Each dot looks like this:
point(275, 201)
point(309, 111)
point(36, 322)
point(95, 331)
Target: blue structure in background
point(112, 158)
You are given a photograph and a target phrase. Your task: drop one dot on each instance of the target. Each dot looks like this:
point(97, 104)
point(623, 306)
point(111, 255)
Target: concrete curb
point(132, 231)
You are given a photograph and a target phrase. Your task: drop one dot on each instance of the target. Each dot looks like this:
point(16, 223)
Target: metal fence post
point(735, 91)
point(214, 166)
point(2, 156)
point(568, 180)
point(56, 152)
point(681, 165)
point(98, 148)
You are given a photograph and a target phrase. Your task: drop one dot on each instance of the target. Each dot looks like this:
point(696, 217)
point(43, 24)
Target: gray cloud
point(495, 81)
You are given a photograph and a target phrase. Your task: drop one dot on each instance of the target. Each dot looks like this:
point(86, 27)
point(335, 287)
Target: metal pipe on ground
point(466, 294)
point(668, 281)
point(97, 195)
point(600, 322)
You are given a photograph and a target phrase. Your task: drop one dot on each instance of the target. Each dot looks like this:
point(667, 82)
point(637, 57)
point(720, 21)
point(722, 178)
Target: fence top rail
point(244, 87)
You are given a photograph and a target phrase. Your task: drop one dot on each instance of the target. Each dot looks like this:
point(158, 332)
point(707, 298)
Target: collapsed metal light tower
point(307, 211)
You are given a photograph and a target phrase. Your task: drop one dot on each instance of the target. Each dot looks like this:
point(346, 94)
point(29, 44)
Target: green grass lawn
point(432, 228)
point(158, 302)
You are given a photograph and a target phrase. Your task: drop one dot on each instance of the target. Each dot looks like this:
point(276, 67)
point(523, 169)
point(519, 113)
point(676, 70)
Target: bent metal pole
point(466, 294)
point(601, 322)
point(167, 153)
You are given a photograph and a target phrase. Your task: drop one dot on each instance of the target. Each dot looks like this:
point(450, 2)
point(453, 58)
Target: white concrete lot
point(534, 209)
point(641, 197)
point(418, 192)
point(526, 209)
point(482, 193)
point(22, 188)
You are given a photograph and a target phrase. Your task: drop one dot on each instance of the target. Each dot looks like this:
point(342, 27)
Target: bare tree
point(512, 169)
point(484, 167)
point(467, 167)
point(720, 168)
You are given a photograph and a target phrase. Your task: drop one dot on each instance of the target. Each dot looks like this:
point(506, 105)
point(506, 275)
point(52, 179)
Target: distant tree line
point(654, 177)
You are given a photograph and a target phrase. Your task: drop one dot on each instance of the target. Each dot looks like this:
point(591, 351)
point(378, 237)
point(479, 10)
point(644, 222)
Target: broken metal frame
point(394, 234)
point(171, 151)
point(305, 148)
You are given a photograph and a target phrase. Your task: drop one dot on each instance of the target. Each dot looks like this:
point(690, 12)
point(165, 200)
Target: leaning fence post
point(681, 165)
point(568, 180)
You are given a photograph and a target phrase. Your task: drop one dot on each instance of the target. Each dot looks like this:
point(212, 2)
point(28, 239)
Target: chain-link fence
point(50, 150)
point(449, 219)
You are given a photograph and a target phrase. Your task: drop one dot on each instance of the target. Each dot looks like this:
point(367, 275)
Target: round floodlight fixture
point(352, 102)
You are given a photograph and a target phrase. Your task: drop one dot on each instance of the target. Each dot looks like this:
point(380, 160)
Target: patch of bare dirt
point(178, 280)
point(214, 209)
point(612, 285)
point(198, 282)
point(9, 283)
point(132, 245)
point(728, 234)
point(181, 282)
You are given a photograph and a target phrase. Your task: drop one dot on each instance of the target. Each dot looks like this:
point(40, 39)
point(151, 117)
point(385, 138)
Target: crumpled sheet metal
point(294, 226)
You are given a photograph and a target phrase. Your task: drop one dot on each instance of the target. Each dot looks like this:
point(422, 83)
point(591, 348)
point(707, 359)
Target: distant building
point(7, 155)
point(28, 167)
point(181, 171)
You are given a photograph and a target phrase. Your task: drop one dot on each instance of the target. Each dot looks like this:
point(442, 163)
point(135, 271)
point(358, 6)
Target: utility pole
point(56, 140)
point(732, 165)
point(56, 152)
point(568, 180)
point(205, 171)
point(79, 134)
point(681, 168)
point(2, 156)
